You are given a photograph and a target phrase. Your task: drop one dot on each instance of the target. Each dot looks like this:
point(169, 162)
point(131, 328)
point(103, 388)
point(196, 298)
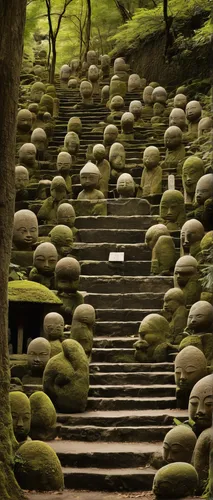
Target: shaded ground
point(95, 495)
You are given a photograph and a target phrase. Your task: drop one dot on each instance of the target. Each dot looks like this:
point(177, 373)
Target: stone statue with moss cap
point(66, 216)
point(53, 327)
point(203, 207)
point(45, 258)
point(190, 366)
point(178, 444)
point(72, 83)
point(24, 126)
point(193, 169)
point(90, 178)
point(21, 415)
point(75, 125)
point(158, 239)
point(151, 179)
point(64, 164)
point(37, 467)
point(117, 109)
point(205, 126)
point(117, 158)
point(175, 150)
point(120, 69)
point(38, 354)
point(201, 404)
point(136, 109)
point(175, 312)
point(93, 77)
point(127, 127)
point(117, 87)
point(199, 329)
point(193, 115)
point(61, 237)
point(46, 104)
point(105, 94)
point(125, 186)
point(110, 137)
point(172, 209)
point(201, 457)
point(25, 230)
point(48, 211)
point(71, 145)
point(67, 277)
point(147, 111)
point(186, 277)
point(37, 91)
point(99, 153)
point(154, 334)
point(66, 378)
point(43, 417)
point(65, 72)
point(176, 480)
point(177, 118)
point(180, 101)
point(83, 322)
point(21, 182)
point(27, 158)
point(191, 235)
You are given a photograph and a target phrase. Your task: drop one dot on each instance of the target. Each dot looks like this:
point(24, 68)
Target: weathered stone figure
point(151, 179)
point(175, 312)
point(93, 77)
point(61, 237)
point(44, 261)
point(54, 331)
point(110, 137)
point(125, 186)
point(65, 73)
point(117, 87)
point(117, 109)
point(178, 480)
point(175, 150)
point(27, 158)
point(134, 83)
point(21, 415)
point(75, 125)
point(117, 158)
point(172, 209)
point(83, 322)
point(154, 333)
point(86, 91)
point(193, 169)
point(90, 178)
point(186, 278)
point(64, 164)
point(25, 231)
point(203, 207)
point(48, 210)
point(105, 66)
point(66, 216)
point(120, 69)
point(24, 126)
point(38, 354)
point(201, 458)
point(159, 94)
point(105, 94)
point(43, 417)
point(21, 180)
point(158, 239)
point(99, 152)
point(178, 444)
point(136, 109)
point(190, 366)
point(193, 115)
point(199, 329)
point(72, 144)
point(201, 404)
point(205, 126)
point(148, 102)
point(39, 139)
point(127, 127)
point(67, 276)
point(192, 233)
point(180, 101)
point(36, 92)
point(177, 117)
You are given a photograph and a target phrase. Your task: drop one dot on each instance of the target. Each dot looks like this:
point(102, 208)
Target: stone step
point(135, 391)
point(113, 355)
point(115, 222)
point(133, 403)
point(124, 284)
point(125, 300)
point(102, 342)
point(93, 267)
point(105, 367)
point(101, 251)
point(112, 235)
point(120, 378)
point(114, 434)
point(124, 314)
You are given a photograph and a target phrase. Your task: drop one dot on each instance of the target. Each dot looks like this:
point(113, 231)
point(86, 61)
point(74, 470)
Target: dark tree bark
point(168, 24)
point(125, 14)
point(88, 27)
point(12, 21)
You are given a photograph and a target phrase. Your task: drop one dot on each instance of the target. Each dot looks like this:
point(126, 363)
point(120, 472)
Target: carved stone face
point(193, 111)
point(147, 95)
point(171, 205)
point(159, 95)
point(27, 154)
point(93, 73)
point(173, 137)
point(67, 274)
point(86, 89)
point(45, 258)
point(72, 83)
point(204, 126)
point(54, 326)
point(89, 176)
point(200, 317)
point(151, 157)
point(92, 57)
point(71, 143)
point(105, 61)
point(21, 415)
point(85, 313)
point(177, 117)
point(99, 152)
point(134, 83)
point(180, 101)
point(117, 156)
point(125, 186)
point(154, 329)
point(117, 103)
point(58, 189)
point(191, 232)
point(119, 65)
point(74, 125)
point(39, 139)
point(135, 108)
point(190, 366)
point(110, 134)
point(62, 237)
point(38, 354)
point(185, 268)
point(153, 233)
point(65, 72)
point(64, 162)
point(201, 403)
point(204, 189)
point(173, 299)
point(37, 91)
point(24, 120)
point(158, 109)
point(21, 177)
point(25, 231)
point(179, 444)
point(127, 122)
point(193, 169)
point(66, 215)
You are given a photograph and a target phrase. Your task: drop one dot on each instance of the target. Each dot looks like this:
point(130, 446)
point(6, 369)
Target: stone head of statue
point(92, 57)
point(53, 326)
point(105, 61)
point(58, 189)
point(127, 123)
point(172, 207)
point(46, 103)
point(72, 143)
point(173, 137)
point(75, 125)
point(85, 313)
point(61, 237)
point(27, 154)
point(178, 444)
point(154, 329)
point(125, 186)
point(200, 319)
point(25, 230)
point(38, 354)
point(93, 73)
point(65, 72)
point(205, 126)
point(173, 299)
point(45, 258)
point(90, 176)
point(134, 83)
point(21, 415)
point(201, 403)
point(185, 268)
point(193, 111)
point(177, 118)
point(151, 157)
point(86, 89)
point(99, 152)
point(176, 480)
point(136, 108)
point(191, 232)
point(21, 177)
point(64, 162)
point(204, 189)
point(147, 95)
point(206, 243)
point(72, 83)
point(33, 108)
point(50, 90)
point(153, 233)
point(39, 139)
point(193, 169)
point(47, 117)
point(117, 156)
point(105, 92)
point(158, 109)
point(66, 215)
point(24, 120)
point(119, 65)
point(190, 366)
point(67, 273)
point(37, 91)
point(159, 94)
point(180, 101)
point(110, 134)
point(117, 103)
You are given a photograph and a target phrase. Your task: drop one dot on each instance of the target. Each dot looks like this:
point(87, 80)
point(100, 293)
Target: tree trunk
point(88, 26)
point(53, 62)
point(125, 14)
point(12, 21)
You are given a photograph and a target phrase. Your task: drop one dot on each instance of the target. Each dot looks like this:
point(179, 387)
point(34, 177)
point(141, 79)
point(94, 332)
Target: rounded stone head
point(110, 134)
point(200, 317)
point(193, 111)
point(90, 176)
point(190, 366)
point(205, 126)
point(85, 313)
point(21, 177)
point(125, 186)
point(127, 122)
point(134, 83)
point(62, 237)
point(72, 143)
point(72, 83)
point(180, 101)
point(53, 326)
point(93, 73)
point(24, 120)
point(47, 103)
point(47, 117)
point(191, 232)
point(105, 61)
point(159, 94)
point(153, 233)
point(185, 268)
point(119, 65)
point(45, 258)
point(58, 189)
point(204, 189)
point(136, 108)
point(117, 103)
point(64, 162)
point(65, 72)
point(67, 273)
point(33, 107)
point(158, 109)
point(86, 89)
point(21, 415)
point(147, 95)
point(38, 354)
point(117, 156)
point(74, 125)
point(207, 243)
point(193, 169)
point(99, 152)
point(177, 118)
point(201, 403)
point(178, 444)
point(173, 137)
point(27, 154)
point(66, 215)
point(172, 207)
point(173, 299)
point(105, 92)
point(176, 480)
point(92, 57)
point(154, 329)
point(37, 91)
point(25, 230)
point(39, 139)
point(151, 157)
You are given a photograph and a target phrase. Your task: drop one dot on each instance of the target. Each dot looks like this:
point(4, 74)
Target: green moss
point(175, 480)
point(43, 417)
point(21, 415)
point(30, 291)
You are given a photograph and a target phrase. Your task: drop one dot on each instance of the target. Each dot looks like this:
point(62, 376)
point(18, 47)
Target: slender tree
point(168, 24)
point(12, 21)
point(88, 26)
point(125, 13)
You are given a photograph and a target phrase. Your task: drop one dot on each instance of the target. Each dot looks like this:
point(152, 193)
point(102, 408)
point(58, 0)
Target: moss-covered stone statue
point(71, 145)
point(27, 158)
point(177, 480)
point(125, 186)
point(46, 104)
point(193, 115)
point(180, 101)
point(54, 331)
point(175, 312)
point(105, 94)
point(21, 182)
point(37, 91)
point(89, 179)
point(154, 334)
point(178, 444)
point(191, 235)
point(151, 179)
point(37, 467)
point(117, 87)
point(172, 209)
point(177, 117)
point(127, 127)
point(134, 83)
point(203, 207)
point(86, 91)
point(175, 150)
point(25, 230)
point(39, 139)
point(120, 68)
point(148, 102)
point(201, 404)
point(24, 126)
point(83, 322)
point(72, 84)
point(45, 258)
point(48, 211)
point(205, 126)
point(21, 415)
point(66, 216)
point(67, 276)
point(190, 366)
point(117, 109)
point(61, 237)
point(64, 164)
point(75, 125)
point(66, 378)
point(93, 77)
point(110, 137)
point(136, 109)
point(38, 354)
point(65, 72)
point(117, 159)
point(158, 239)
point(201, 457)
point(43, 417)
point(186, 277)
point(193, 169)
point(159, 94)
point(99, 153)
point(199, 329)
